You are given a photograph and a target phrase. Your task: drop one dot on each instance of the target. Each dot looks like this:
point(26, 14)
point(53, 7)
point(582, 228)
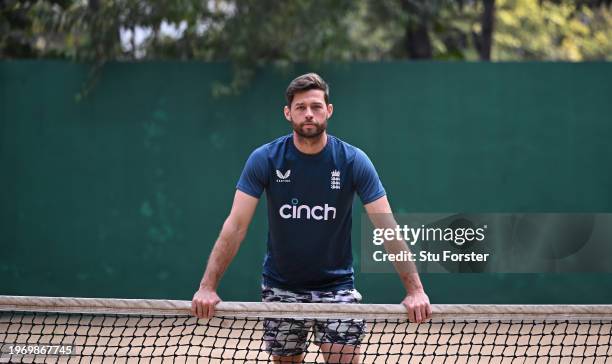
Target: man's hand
point(204, 302)
point(417, 304)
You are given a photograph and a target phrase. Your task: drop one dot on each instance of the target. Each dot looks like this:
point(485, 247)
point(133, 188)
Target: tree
point(488, 29)
point(251, 33)
point(553, 30)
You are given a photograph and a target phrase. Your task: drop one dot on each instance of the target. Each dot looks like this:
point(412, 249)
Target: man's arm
point(233, 232)
point(416, 301)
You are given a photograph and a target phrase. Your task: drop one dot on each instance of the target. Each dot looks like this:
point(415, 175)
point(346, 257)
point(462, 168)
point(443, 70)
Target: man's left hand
point(417, 304)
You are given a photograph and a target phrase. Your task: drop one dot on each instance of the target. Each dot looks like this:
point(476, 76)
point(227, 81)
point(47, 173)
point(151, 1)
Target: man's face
point(308, 113)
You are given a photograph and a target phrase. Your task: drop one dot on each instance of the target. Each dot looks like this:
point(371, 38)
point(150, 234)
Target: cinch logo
point(304, 211)
point(283, 177)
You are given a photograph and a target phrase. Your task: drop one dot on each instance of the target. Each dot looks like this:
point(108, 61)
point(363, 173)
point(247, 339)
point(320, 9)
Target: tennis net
point(84, 330)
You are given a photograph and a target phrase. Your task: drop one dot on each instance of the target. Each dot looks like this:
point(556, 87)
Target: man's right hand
point(204, 302)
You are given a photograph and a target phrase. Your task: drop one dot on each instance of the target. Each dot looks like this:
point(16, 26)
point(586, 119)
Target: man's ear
point(330, 110)
point(287, 113)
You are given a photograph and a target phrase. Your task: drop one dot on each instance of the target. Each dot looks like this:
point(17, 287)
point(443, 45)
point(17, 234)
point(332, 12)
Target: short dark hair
point(309, 81)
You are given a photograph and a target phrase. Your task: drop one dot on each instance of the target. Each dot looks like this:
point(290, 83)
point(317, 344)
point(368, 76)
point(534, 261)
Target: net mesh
point(126, 331)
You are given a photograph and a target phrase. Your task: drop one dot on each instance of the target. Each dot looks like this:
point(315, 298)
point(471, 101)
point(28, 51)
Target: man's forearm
point(412, 282)
point(221, 256)
point(407, 270)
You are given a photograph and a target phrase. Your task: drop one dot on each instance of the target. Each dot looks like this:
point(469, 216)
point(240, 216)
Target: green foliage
point(250, 33)
point(559, 30)
point(527, 30)
point(254, 32)
point(450, 24)
point(259, 32)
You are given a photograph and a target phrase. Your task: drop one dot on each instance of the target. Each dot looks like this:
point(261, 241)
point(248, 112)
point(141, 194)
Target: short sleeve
point(254, 177)
point(366, 180)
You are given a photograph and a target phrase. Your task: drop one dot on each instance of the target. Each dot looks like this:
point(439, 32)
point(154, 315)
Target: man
point(310, 179)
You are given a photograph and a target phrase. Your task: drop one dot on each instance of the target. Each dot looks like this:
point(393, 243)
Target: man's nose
point(309, 114)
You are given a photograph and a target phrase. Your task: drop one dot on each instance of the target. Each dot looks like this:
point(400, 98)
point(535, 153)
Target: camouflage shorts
point(285, 337)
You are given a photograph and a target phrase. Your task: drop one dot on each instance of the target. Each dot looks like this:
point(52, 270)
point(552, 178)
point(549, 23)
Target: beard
point(309, 130)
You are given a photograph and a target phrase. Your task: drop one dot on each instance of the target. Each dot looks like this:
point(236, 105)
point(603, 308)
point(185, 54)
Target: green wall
point(123, 193)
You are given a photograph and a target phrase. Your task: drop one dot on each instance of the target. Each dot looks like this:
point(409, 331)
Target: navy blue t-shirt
point(310, 198)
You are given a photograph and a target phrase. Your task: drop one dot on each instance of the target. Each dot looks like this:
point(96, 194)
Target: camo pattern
point(289, 336)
